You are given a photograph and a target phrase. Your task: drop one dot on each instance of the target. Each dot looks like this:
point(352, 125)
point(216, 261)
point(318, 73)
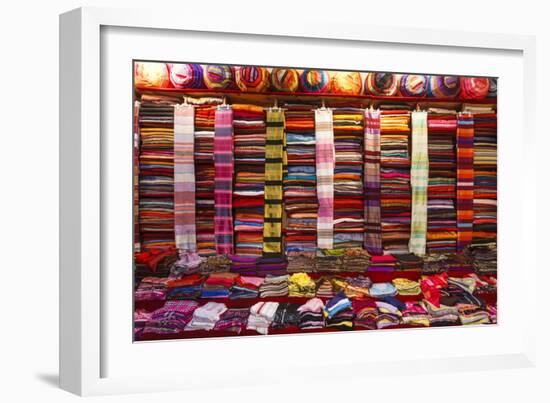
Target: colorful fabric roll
point(346, 82)
point(324, 163)
point(373, 230)
point(381, 84)
point(223, 164)
point(465, 180)
point(443, 86)
point(273, 191)
point(474, 87)
point(284, 80)
point(188, 75)
point(315, 81)
point(252, 78)
point(217, 77)
point(184, 178)
point(413, 85)
point(151, 75)
point(419, 183)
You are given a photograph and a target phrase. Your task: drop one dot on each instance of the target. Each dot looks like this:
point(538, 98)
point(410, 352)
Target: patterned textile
point(223, 162)
point(419, 183)
point(137, 242)
point(273, 191)
point(373, 231)
point(465, 179)
point(184, 178)
point(324, 160)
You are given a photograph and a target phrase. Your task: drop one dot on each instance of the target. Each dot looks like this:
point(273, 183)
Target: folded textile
point(274, 286)
point(382, 290)
point(301, 285)
point(171, 318)
point(206, 316)
point(311, 314)
point(336, 304)
point(406, 287)
point(286, 315)
point(261, 316)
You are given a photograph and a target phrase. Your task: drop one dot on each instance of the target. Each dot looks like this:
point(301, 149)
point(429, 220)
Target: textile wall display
point(279, 200)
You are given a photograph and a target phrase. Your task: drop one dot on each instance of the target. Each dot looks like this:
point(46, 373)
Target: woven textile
point(324, 162)
point(465, 179)
point(223, 164)
point(184, 178)
point(373, 231)
point(135, 207)
point(273, 191)
point(419, 183)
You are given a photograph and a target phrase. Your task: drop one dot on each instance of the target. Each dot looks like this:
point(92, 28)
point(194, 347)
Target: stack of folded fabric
point(156, 171)
point(409, 262)
point(300, 261)
point(186, 287)
point(365, 312)
point(349, 222)
point(455, 294)
point(233, 320)
point(275, 265)
point(311, 314)
point(415, 314)
point(405, 286)
point(154, 262)
point(471, 314)
point(355, 259)
point(249, 134)
point(274, 286)
point(485, 179)
point(484, 258)
point(245, 265)
point(171, 318)
point(141, 317)
point(431, 286)
point(246, 287)
point(383, 263)
point(388, 315)
point(357, 287)
point(336, 304)
point(216, 263)
point(325, 288)
point(151, 289)
point(329, 260)
point(380, 290)
point(301, 285)
point(204, 179)
point(261, 316)
point(218, 285)
point(441, 315)
point(492, 311)
point(300, 181)
point(286, 315)
point(435, 263)
point(188, 263)
point(395, 198)
point(206, 316)
point(441, 235)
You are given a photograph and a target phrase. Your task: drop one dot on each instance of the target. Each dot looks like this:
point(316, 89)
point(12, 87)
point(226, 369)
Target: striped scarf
point(223, 166)
point(373, 236)
point(273, 191)
point(465, 179)
point(324, 161)
point(419, 183)
point(184, 178)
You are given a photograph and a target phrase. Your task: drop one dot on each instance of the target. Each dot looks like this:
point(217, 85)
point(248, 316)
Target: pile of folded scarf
point(409, 262)
point(286, 315)
point(329, 260)
point(379, 290)
point(415, 314)
point(216, 263)
point(154, 262)
point(275, 265)
point(261, 316)
point(300, 181)
point(301, 285)
point(206, 316)
point(171, 318)
point(441, 315)
point(365, 312)
point(382, 263)
point(349, 222)
point(325, 287)
point(357, 287)
point(188, 263)
point(274, 286)
point(355, 259)
point(337, 304)
point(186, 287)
point(388, 315)
point(441, 235)
point(151, 289)
point(141, 317)
point(395, 198)
point(472, 314)
point(435, 263)
point(233, 320)
point(249, 136)
point(218, 285)
point(405, 286)
point(246, 287)
point(311, 314)
point(244, 264)
point(204, 179)
point(300, 261)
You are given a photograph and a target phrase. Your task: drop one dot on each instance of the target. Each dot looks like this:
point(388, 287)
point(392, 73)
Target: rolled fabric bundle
point(492, 87)
point(252, 78)
point(413, 85)
point(474, 87)
point(151, 75)
point(315, 81)
point(285, 80)
point(443, 86)
point(347, 82)
point(186, 75)
point(381, 84)
point(217, 77)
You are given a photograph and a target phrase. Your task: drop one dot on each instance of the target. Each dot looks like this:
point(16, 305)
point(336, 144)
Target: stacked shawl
point(172, 318)
point(205, 317)
point(311, 314)
point(261, 316)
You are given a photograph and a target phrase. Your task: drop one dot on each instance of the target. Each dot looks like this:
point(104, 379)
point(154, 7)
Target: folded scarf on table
point(336, 304)
point(233, 320)
point(261, 316)
point(206, 316)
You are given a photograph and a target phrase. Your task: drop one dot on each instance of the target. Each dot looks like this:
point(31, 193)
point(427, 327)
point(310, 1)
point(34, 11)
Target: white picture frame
point(83, 189)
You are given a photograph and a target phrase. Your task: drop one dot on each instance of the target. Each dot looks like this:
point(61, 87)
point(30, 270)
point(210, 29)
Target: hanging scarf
point(465, 179)
point(223, 165)
point(273, 190)
point(324, 161)
point(373, 236)
point(419, 183)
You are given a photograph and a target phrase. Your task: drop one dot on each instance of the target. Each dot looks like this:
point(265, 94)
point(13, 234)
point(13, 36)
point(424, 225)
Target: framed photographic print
point(276, 192)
